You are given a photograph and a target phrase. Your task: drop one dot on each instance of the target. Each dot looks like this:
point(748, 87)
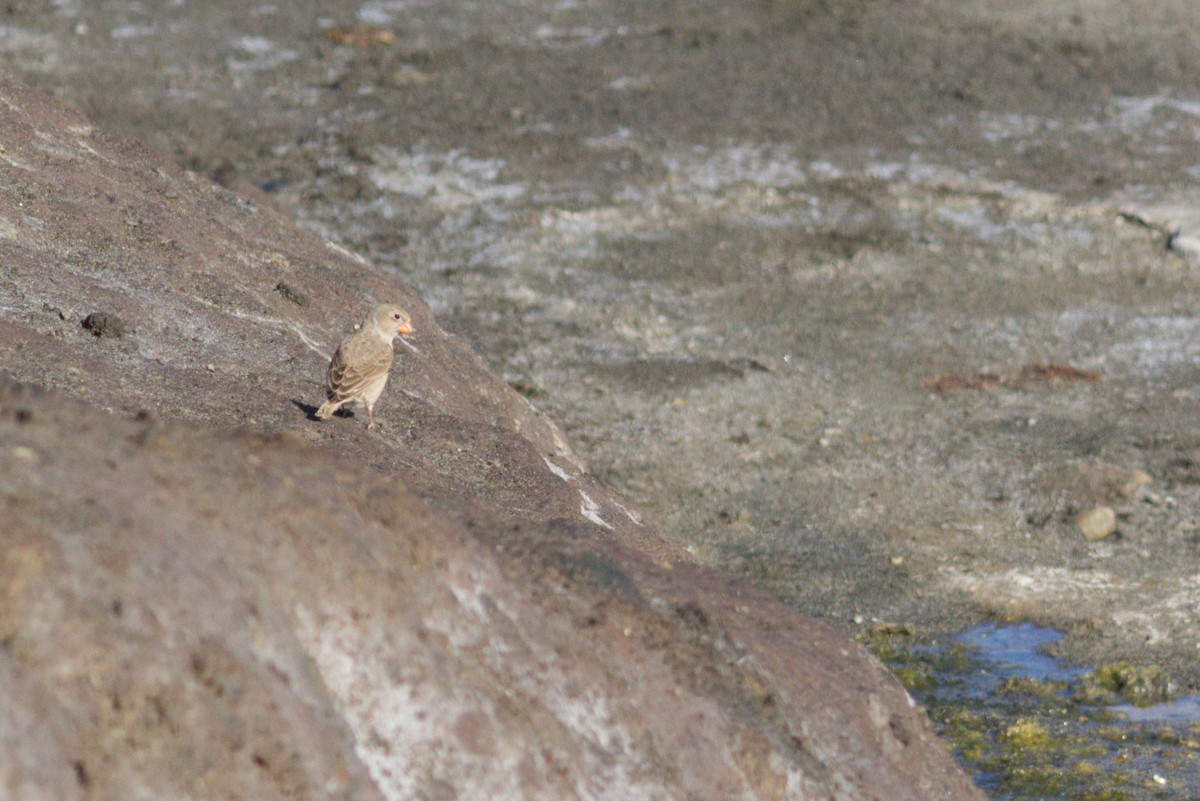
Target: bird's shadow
point(310, 411)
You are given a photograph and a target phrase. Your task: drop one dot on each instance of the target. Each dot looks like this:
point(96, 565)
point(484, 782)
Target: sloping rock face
point(206, 594)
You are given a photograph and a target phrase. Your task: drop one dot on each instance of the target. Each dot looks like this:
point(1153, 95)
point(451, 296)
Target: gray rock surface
point(206, 594)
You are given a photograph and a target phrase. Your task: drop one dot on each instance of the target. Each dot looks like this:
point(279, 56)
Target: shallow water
point(1016, 651)
point(1181, 710)
point(1021, 722)
point(1008, 651)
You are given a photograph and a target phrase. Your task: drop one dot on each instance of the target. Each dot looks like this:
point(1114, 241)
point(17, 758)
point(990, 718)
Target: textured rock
point(1097, 482)
point(1080, 489)
point(204, 593)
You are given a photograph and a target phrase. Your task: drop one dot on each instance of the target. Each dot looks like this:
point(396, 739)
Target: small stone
point(24, 453)
point(1097, 523)
point(1072, 489)
point(105, 325)
point(1186, 244)
point(1134, 481)
point(1140, 685)
point(1105, 483)
point(290, 294)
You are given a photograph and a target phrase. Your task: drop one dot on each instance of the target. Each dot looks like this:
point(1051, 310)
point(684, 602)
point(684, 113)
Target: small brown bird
point(359, 368)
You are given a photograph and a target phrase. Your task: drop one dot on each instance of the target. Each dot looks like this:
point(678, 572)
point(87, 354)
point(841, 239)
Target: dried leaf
point(361, 36)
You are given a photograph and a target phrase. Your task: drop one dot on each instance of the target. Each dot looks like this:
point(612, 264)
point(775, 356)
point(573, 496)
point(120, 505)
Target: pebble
point(103, 324)
point(291, 294)
point(1075, 489)
point(1097, 523)
point(1186, 244)
point(24, 454)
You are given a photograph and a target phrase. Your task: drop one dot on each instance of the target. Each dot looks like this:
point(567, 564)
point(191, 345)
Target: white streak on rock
point(636, 518)
point(350, 254)
point(287, 325)
point(556, 470)
point(591, 510)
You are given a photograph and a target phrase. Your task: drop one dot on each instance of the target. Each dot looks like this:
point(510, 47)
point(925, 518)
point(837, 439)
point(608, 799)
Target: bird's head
point(391, 320)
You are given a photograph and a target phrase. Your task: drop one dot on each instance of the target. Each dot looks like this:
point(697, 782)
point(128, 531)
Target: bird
point(359, 368)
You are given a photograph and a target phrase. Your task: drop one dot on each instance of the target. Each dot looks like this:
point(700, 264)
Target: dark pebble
point(102, 324)
point(291, 295)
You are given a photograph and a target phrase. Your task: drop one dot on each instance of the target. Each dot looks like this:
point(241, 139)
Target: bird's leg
point(370, 418)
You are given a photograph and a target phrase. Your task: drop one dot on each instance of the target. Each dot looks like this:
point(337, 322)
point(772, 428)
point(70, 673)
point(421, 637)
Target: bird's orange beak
point(405, 329)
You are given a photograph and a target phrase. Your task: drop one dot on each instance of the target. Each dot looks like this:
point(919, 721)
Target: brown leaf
point(363, 37)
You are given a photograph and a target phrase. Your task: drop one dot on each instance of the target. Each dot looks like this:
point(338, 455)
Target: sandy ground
point(864, 300)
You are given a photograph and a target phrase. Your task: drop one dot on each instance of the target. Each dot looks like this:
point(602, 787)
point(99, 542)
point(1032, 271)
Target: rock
point(1140, 685)
point(228, 599)
point(291, 295)
point(1187, 244)
point(314, 631)
point(1103, 483)
point(108, 326)
point(1177, 221)
point(1097, 523)
point(1071, 490)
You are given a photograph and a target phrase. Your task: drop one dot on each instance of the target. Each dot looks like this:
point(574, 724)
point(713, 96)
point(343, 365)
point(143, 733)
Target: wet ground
point(866, 301)
point(1029, 726)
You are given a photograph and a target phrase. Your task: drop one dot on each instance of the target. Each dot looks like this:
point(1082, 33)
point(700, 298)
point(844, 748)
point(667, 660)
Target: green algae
point(1032, 688)
point(1027, 737)
point(1140, 685)
point(916, 677)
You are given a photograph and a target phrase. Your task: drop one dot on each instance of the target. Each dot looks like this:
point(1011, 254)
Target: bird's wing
point(357, 365)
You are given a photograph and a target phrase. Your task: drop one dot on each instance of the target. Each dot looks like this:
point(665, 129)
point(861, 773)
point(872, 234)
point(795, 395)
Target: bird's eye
point(396, 316)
